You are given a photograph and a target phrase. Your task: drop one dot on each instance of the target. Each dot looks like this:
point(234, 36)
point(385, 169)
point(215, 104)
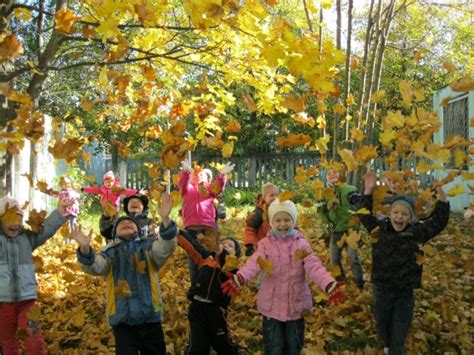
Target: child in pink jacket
point(284, 295)
point(198, 193)
point(110, 191)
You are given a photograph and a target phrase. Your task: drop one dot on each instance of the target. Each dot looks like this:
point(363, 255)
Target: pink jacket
point(70, 194)
point(107, 194)
point(285, 294)
point(198, 207)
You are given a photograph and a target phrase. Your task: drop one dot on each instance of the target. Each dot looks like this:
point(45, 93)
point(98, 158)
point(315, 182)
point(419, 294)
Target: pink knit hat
point(109, 175)
point(7, 202)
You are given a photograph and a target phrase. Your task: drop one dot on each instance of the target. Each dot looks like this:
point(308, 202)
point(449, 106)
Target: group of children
point(138, 248)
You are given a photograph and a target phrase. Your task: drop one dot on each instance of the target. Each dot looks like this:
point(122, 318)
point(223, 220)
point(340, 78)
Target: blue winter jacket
point(131, 272)
point(17, 270)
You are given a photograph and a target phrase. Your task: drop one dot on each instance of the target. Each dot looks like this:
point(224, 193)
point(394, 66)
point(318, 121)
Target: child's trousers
point(146, 339)
point(393, 311)
point(208, 325)
point(283, 338)
point(13, 321)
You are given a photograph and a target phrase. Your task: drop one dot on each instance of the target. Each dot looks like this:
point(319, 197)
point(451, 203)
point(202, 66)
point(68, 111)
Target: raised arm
point(437, 220)
point(91, 263)
point(364, 204)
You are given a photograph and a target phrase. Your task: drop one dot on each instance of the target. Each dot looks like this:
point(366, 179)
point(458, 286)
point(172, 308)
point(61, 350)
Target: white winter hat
point(285, 206)
point(7, 202)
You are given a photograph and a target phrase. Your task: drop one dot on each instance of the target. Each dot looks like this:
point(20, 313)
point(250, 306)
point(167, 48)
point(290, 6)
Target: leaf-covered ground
point(72, 304)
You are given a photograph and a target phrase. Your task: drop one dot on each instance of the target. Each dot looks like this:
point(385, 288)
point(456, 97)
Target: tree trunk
point(338, 23)
point(347, 82)
point(308, 19)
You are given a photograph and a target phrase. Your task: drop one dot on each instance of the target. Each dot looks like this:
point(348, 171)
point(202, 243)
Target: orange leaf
point(301, 254)
point(64, 20)
point(10, 48)
point(231, 263)
point(286, 195)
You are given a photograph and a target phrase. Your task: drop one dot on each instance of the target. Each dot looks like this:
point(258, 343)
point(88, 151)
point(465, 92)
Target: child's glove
point(228, 167)
point(336, 294)
point(232, 285)
point(186, 165)
point(248, 249)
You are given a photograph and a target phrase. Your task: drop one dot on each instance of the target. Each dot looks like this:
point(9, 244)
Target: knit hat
point(285, 206)
point(6, 202)
point(236, 246)
point(109, 175)
point(114, 230)
point(406, 201)
point(142, 198)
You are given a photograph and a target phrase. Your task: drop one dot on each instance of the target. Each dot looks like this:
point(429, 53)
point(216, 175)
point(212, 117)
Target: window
point(456, 123)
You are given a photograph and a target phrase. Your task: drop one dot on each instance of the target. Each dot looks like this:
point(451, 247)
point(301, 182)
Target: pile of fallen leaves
point(72, 303)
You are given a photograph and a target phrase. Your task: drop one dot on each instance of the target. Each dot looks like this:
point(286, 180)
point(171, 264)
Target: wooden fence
point(255, 170)
point(249, 171)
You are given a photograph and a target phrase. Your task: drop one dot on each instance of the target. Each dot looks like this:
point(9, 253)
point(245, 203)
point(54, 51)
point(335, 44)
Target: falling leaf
point(227, 149)
point(464, 84)
point(450, 67)
point(10, 48)
point(65, 20)
point(456, 190)
point(210, 240)
point(445, 101)
point(286, 195)
point(265, 265)
point(352, 239)
point(34, 313)
point(122, 289)
point(36, 220)
point(406, 91)
point(231, 263)
point(348, 158)
point(137, 264)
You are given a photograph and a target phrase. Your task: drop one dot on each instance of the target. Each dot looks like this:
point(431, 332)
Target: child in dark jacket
point(208, 309)
point(257, 225)
point(135, 206)
point(131, 264)
point(395, 271)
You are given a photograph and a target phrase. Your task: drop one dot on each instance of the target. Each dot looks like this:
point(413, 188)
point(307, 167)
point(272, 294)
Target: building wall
point(459, 202)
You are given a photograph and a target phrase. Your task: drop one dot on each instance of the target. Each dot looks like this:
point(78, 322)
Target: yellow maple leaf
point(286, 195)
point(36, 220)
point(65, 20)
point(265, 265)
point(210, 240)
point(10, 48)
point(456, 190)
point(335, 271)
point(445, 101)
point(466, 83)
point(122, 289)
point(233, 126)
point(137, 264)
point(406, 91)
point(450, 67)
point(227, 149)
point(377, 96)
point(294, 103)
point(348, 158)
point(231, 263)
point(301, 254)
point(34, 313)
point(460, 158)
point(386, 137)
point(352, 239)
point(109, 209)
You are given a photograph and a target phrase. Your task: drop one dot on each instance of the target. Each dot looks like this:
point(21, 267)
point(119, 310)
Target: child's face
point(109, 183)
point(126, 229)
point(332, 176)
point(282, 222)
point(11, 225)
point(270, 196)
point(135, 205)
point(399, 217)
point(228, 246)
point(203, 176)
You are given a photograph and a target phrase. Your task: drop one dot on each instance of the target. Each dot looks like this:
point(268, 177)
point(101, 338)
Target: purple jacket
point(198, 206)
point(285, 294)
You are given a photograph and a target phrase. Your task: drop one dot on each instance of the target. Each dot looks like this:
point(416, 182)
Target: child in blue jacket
point(130, 265)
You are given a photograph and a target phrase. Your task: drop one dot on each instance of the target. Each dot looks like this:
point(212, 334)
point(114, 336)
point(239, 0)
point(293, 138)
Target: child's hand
point(441, 194)
point(232, 285)
point(83, 240)
point(370, 181)
point(143, 191)
point(336, 294)
point(249, 249)
point(186, 165)
point(228, 167)
point(63, 206)
point(165, 208)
